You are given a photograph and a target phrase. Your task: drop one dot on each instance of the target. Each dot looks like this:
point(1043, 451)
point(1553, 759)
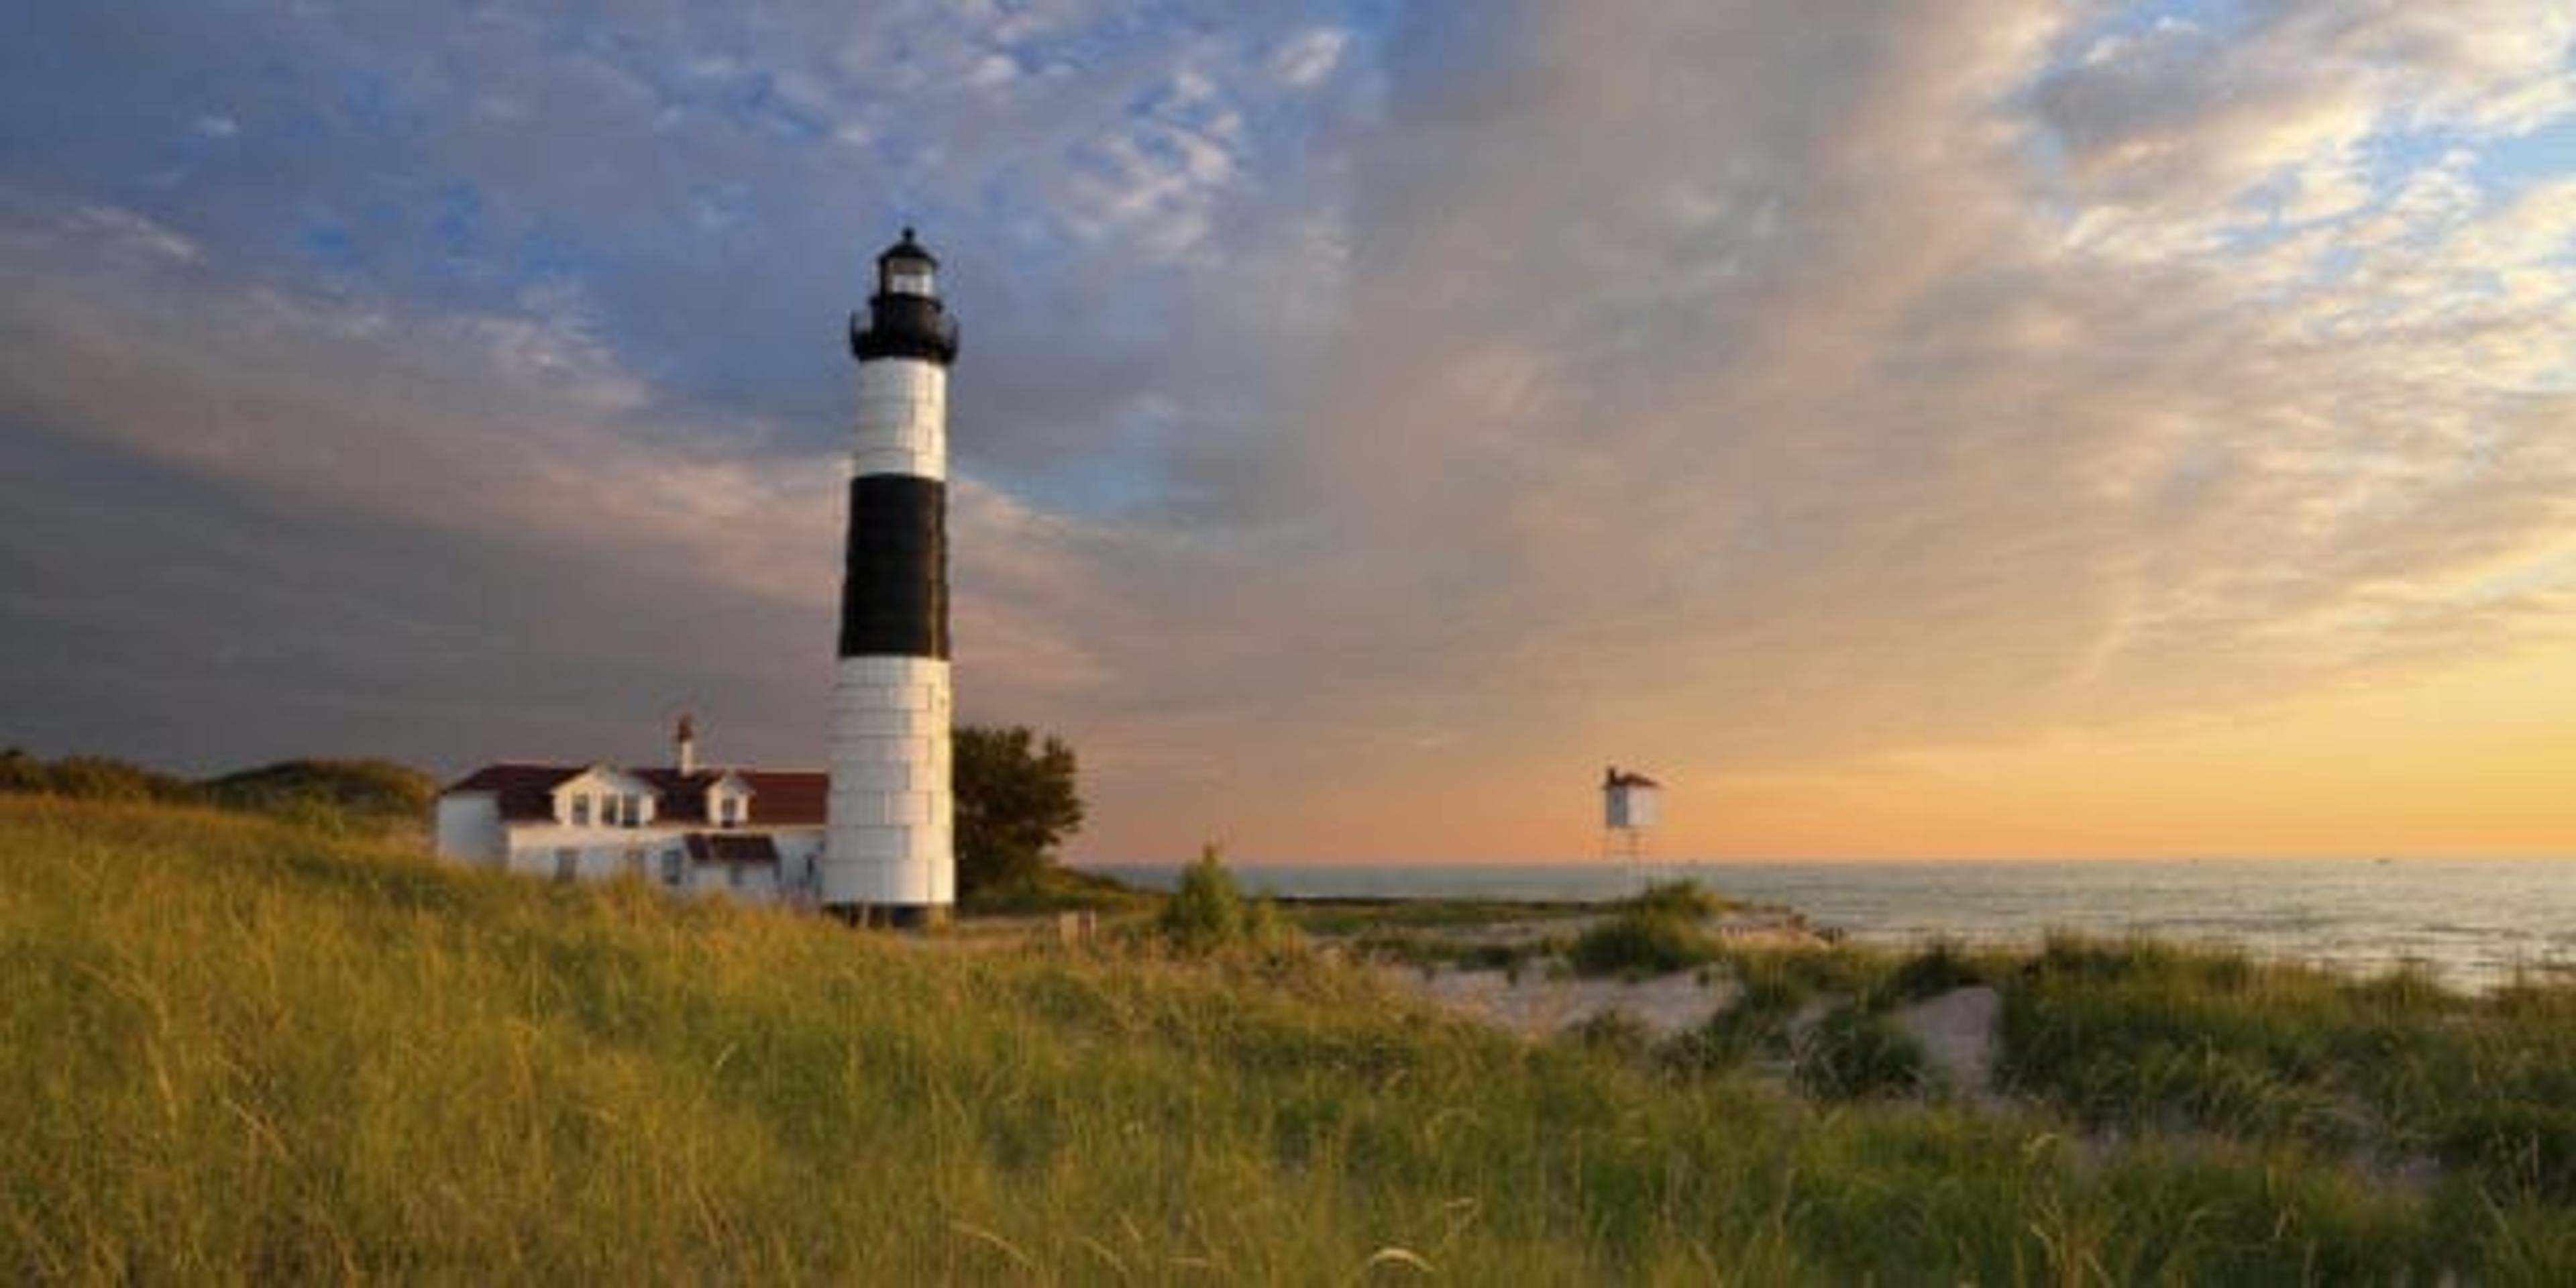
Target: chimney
point(685, 739)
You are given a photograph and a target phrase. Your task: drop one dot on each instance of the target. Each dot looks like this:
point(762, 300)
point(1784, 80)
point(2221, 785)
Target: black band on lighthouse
point(894, 582)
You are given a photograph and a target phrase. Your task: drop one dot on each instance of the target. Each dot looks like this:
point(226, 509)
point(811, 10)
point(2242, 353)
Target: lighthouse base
point(889, 848)
point(865, 917)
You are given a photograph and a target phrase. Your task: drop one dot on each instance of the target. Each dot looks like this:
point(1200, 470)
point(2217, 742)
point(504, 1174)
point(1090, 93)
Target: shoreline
point(2476, 923)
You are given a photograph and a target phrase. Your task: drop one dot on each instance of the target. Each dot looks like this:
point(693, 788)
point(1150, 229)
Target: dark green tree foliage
point(1016, 801)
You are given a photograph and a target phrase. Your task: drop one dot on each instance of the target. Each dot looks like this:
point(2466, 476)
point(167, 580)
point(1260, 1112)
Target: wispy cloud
point(1364, 429)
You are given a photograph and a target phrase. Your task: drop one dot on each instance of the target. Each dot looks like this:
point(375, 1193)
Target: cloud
point(2275, 115)
point(1310, 56)
point(1363, 432)
point(1711, 384)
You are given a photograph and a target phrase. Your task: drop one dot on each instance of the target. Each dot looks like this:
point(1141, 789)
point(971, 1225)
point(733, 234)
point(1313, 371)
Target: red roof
point(1627, 778)
point(525, 791)
point(779, 797)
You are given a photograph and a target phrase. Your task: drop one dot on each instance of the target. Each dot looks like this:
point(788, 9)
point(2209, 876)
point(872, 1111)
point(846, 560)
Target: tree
point(1015, 803)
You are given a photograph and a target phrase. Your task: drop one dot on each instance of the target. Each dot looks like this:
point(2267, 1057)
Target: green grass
point(1662, 930)
point(1054, 888)
point(344, 795)
point(2133, 1035)
point(1350, 917)
point(357, 794)
point(239, 1049)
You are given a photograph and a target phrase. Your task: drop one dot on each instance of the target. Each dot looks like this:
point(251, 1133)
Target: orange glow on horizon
point(2481, 762)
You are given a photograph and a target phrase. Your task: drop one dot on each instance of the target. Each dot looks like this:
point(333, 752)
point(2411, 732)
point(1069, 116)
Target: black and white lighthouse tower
point(889, 853)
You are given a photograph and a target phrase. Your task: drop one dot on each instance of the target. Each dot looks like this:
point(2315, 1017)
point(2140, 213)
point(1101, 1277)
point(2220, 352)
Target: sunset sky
point(1992, 427)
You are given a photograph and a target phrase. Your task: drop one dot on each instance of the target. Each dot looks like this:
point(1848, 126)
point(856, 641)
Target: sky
point(1999, 427)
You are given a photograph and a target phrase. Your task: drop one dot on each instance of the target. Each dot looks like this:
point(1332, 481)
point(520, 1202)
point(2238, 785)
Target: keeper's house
point(752, 833)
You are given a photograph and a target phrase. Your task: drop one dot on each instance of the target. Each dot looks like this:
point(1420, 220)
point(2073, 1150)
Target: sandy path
point(1536, 1006)
point(1957, 1032)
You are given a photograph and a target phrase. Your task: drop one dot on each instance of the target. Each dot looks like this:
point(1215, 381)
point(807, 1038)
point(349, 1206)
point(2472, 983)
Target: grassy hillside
point(350, 795)
point(362, 792)
point(240, 1048)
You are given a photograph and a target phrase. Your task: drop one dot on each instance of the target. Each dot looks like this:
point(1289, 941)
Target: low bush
point(1660, 931)
point(1640, 943)
point(1684, 899)
point(1207, 913)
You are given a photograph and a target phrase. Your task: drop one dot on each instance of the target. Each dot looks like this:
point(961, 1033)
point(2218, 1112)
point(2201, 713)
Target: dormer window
point(581, 810)
point(728, 811)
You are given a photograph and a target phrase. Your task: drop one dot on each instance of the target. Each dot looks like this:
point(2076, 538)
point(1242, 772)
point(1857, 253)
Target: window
point(634, 810)
point(911, 277)
point(728, 811)
point(671, 869)
point(581, 811)
point(567, 863)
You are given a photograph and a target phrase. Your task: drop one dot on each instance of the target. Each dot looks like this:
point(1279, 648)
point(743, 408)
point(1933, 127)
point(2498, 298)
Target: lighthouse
point(889, 855)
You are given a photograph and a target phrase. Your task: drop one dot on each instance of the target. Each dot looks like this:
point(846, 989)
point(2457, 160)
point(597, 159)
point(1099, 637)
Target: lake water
point(2473, 921)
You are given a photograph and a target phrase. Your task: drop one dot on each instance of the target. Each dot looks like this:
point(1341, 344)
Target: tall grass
point(2138, 1034)
point(238, 1049)
point(1662, 930)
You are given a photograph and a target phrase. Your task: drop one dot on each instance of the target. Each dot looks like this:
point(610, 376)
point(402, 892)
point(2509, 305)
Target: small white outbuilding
point(1630, 801)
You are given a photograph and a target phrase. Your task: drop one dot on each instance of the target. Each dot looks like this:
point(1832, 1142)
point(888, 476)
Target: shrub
point(1656, 933)
point(1640, 943)
point(1208, 913)
point(1683, 899)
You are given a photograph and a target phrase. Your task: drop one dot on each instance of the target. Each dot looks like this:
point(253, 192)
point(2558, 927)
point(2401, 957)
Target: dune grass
point(2134, 1035)
point(242, 1049)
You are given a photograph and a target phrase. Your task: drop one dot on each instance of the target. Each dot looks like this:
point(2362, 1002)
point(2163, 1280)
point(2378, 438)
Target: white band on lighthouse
point(892, 827)
point(903, 419)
